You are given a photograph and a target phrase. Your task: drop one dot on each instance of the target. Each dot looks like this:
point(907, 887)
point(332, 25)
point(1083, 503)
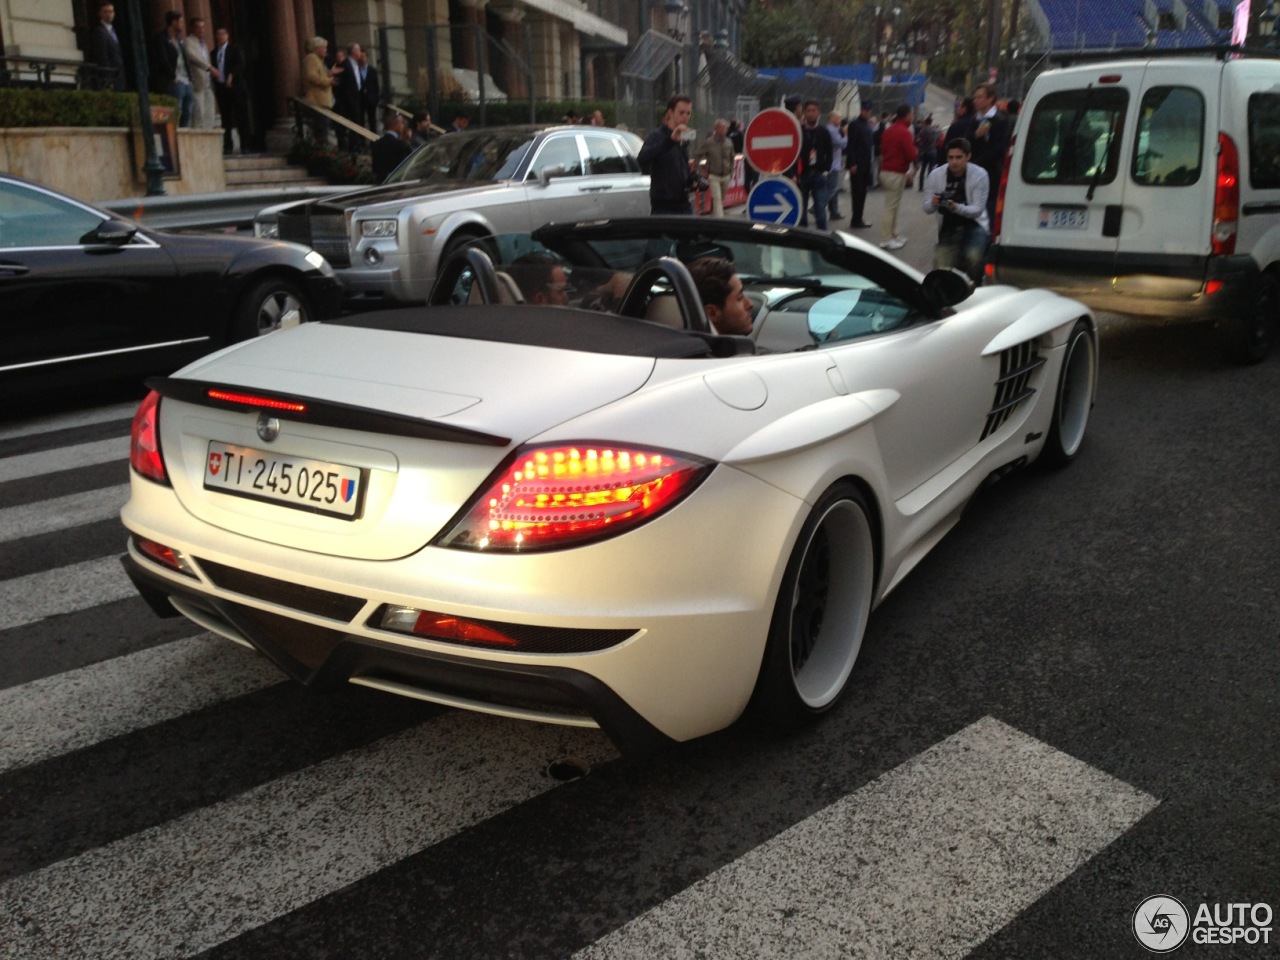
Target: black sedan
point(90, 297)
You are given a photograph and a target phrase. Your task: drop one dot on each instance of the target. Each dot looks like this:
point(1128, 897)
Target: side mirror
point(546, 173)
point(945, 288)
point(110, 233)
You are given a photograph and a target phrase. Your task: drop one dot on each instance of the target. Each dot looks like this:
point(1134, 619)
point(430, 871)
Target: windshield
point(482, 156)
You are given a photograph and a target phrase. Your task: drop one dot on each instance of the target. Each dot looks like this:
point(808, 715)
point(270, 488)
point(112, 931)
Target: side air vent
point(1017, 364)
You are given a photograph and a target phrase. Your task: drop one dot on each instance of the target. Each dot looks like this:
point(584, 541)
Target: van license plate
point(1052, 218)
point(313, 485)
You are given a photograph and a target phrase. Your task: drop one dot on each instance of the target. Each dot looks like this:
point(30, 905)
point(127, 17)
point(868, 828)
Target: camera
point(689, 134)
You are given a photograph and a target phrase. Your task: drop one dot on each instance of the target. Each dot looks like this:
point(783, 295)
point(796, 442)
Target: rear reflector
point(166, 556)
point(441, 626)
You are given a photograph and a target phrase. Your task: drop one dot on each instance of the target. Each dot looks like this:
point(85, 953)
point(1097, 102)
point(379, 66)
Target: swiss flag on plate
point(215, 464)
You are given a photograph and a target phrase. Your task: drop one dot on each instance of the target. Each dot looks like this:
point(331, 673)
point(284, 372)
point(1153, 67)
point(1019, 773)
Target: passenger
point(720, 289)
point(541, 279)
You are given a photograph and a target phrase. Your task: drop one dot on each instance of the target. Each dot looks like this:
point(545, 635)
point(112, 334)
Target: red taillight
point(144, 441)
point(255, 400)
point(998, 220)
point(1226, 197)
point(442, 626)
point(561, 496)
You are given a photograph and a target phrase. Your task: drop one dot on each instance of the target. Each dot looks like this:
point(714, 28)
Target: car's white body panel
point(900, 414)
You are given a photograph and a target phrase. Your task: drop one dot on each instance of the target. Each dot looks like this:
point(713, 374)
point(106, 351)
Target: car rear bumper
point(324, 657)
point(1172, 286)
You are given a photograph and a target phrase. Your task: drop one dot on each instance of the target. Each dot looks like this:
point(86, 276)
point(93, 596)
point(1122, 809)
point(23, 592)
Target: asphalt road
point(1070, 706)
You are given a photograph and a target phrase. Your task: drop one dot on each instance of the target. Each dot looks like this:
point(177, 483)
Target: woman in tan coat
point(318, 82)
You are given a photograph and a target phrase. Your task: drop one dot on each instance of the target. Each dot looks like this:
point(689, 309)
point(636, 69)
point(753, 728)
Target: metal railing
point(50, 73)
point(230, 210)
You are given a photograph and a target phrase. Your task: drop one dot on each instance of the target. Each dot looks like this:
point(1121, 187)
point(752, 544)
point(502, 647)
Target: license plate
point(314, 485)
point(1063, 219)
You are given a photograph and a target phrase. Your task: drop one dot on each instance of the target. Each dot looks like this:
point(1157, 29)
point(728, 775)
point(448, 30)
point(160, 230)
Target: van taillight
point(1226, 197)
point(998, 220)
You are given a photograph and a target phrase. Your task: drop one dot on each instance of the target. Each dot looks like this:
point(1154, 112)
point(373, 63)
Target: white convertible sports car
point(558, 493)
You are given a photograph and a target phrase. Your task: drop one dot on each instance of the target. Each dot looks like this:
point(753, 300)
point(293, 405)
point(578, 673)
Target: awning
point(593, 28)
point(651, 57)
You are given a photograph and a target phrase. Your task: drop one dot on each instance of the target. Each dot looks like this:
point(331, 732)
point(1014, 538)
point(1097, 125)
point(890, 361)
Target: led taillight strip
point(256, 400)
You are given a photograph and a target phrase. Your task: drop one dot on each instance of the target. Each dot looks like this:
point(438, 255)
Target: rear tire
point(1250, 339)
point(271, 304)
point(821, 612)
point(1074, 397)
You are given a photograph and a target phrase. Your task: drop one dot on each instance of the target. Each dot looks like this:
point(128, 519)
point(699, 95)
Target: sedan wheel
point(272, 304)
point(821, 612)
point(1074, 398)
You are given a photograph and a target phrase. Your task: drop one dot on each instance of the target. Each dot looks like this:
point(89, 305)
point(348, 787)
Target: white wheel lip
point(822, 678)
point(1077, 381)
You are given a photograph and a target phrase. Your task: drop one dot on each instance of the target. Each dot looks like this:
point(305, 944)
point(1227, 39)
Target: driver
point(541, 278)
point(720, 289)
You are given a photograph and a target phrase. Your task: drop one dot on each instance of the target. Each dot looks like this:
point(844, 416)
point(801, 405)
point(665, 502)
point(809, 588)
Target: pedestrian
point(318, 82)
point(715, 162)
point(390, 149)
point(958, 191)
point(877, 135)
point(104, 51)
point(836, 128)
point(926, 148)
point(963, 123)
point(368, 88)
point(664, 158)
point(858, 161)
point(990, 138)
point(793, 103)
point(814, 166)
point(231, 90)
point(346, 93)
point(597, 118)
point(460, 121)
point(204, 110)
point(424, 130)
point(169, 71)
point(897, 167)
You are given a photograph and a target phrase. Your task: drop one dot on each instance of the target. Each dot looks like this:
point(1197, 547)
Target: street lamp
point(152, 166)
point(1267, 25)
point(676, 12)
point(812, 55)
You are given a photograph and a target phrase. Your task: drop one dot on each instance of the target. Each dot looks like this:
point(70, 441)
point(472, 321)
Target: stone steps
point(259, 171)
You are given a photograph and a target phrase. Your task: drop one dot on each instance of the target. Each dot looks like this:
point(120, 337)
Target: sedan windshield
point(481, 156)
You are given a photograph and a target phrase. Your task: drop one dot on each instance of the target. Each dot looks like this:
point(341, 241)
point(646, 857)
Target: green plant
point(72, 108)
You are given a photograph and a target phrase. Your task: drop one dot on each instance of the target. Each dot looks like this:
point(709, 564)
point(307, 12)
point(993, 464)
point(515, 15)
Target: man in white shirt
point(203, 74)
point(958, 190)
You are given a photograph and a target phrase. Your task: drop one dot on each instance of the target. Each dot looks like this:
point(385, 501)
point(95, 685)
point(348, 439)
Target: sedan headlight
point(378, 229)
point(267, 229)
point(320, 263)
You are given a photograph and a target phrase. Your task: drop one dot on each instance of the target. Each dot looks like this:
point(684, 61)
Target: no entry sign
point(772, 141)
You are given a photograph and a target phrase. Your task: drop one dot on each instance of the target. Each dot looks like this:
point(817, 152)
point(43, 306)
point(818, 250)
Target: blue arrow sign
point(774, 200)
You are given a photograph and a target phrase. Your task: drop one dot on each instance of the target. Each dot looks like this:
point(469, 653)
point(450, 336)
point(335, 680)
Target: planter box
point(97, 163)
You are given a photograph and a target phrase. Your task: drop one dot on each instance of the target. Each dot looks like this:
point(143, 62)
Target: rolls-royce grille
point(325, 234)
point(1017, 364)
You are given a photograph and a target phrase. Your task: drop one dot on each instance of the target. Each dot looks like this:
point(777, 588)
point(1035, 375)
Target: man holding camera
point(958, 191)
point(665, 158)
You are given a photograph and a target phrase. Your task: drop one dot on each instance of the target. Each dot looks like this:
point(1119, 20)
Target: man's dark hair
point(420, 116)
point(990, 89)
point(868, 106)
point(792, 101)
point(809, 103)
point(532, 272)
point(967, 103)
point(195, 20)
point(678, 98)
point(461, 115)
point(961, 144)
point(171, 17)
point(711, 275)
point(904, 110)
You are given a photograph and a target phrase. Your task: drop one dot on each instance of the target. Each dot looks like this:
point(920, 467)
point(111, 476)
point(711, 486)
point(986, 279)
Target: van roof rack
point(1066, 58)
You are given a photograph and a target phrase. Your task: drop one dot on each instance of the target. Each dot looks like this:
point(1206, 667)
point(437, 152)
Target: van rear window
point(1264, 141)
point(1074, 137)
point(1170, 137)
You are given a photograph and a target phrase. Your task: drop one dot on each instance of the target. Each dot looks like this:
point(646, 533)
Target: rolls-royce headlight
point(378, 228)
point(267, 229)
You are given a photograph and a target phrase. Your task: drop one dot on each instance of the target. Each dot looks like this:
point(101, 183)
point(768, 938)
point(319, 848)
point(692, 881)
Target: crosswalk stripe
point(69, 711)
point(928, 860)
point(62, 513)
point(192, 883)
point(64, 590)
point(63, 458)
point(66, 421)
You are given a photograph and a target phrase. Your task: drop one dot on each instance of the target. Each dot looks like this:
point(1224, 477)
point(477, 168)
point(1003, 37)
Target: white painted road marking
point(190, 884)
point(66, 421)
point(64, 590)
point(69, 711)
point(27, 465)
point(62, 513)
point(927, 861)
